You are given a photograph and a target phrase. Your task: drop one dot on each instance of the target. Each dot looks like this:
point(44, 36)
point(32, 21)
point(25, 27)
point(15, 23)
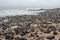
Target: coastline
point(44, 26)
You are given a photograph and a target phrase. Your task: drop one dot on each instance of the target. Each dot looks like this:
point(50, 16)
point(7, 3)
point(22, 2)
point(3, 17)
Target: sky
point(29, 3)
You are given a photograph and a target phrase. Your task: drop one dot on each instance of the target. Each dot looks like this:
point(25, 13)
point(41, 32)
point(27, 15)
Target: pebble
point(17, 27)
point(51, 28)
point(55, 33)
point(23, 39)
point(50, 37)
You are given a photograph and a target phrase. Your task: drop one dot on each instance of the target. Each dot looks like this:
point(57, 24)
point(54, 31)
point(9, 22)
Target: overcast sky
point(29, 3)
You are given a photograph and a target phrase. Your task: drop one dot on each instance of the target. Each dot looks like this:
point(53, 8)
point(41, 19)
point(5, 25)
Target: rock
point(4, 28)
point(21, 31)
point(50, 37)
point(6, 20)
point(14, 27)
point(55, 33)
point(17, 38)
point(32, 35)
point(31, 27)
point(8, 36)
point(24, 31)
point(45, 30)
point(17, 31)
point(34, 25)
point(23, 39)
point(58, 28)
point(51, 28)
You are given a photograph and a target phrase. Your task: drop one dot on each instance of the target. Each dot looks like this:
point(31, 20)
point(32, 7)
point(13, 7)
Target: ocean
point(13, 12)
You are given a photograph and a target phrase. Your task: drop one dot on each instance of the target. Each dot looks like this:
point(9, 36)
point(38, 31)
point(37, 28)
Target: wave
point(13, 12)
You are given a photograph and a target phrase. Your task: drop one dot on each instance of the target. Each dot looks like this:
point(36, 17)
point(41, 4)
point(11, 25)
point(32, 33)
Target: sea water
point(13, 12)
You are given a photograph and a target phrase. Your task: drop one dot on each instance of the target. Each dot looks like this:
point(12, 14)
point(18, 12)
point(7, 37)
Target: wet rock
point(24, 31)
point(4, 28)
point(32, 35)
point(14, 27)
point(1, 33)
point(23, 39)
point(8, 36)
point(51, 28)
point(50, 37)
point(17, 31)
point(58, 28)
point(21, 31)
point(45, 30)
point(17, 38)
point(55, 33)
point(6, 20)
point(32, 29)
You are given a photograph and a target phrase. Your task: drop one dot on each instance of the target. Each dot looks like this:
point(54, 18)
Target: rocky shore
point(45, 26)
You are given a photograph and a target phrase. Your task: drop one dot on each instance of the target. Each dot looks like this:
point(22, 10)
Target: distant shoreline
point(14, 12)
